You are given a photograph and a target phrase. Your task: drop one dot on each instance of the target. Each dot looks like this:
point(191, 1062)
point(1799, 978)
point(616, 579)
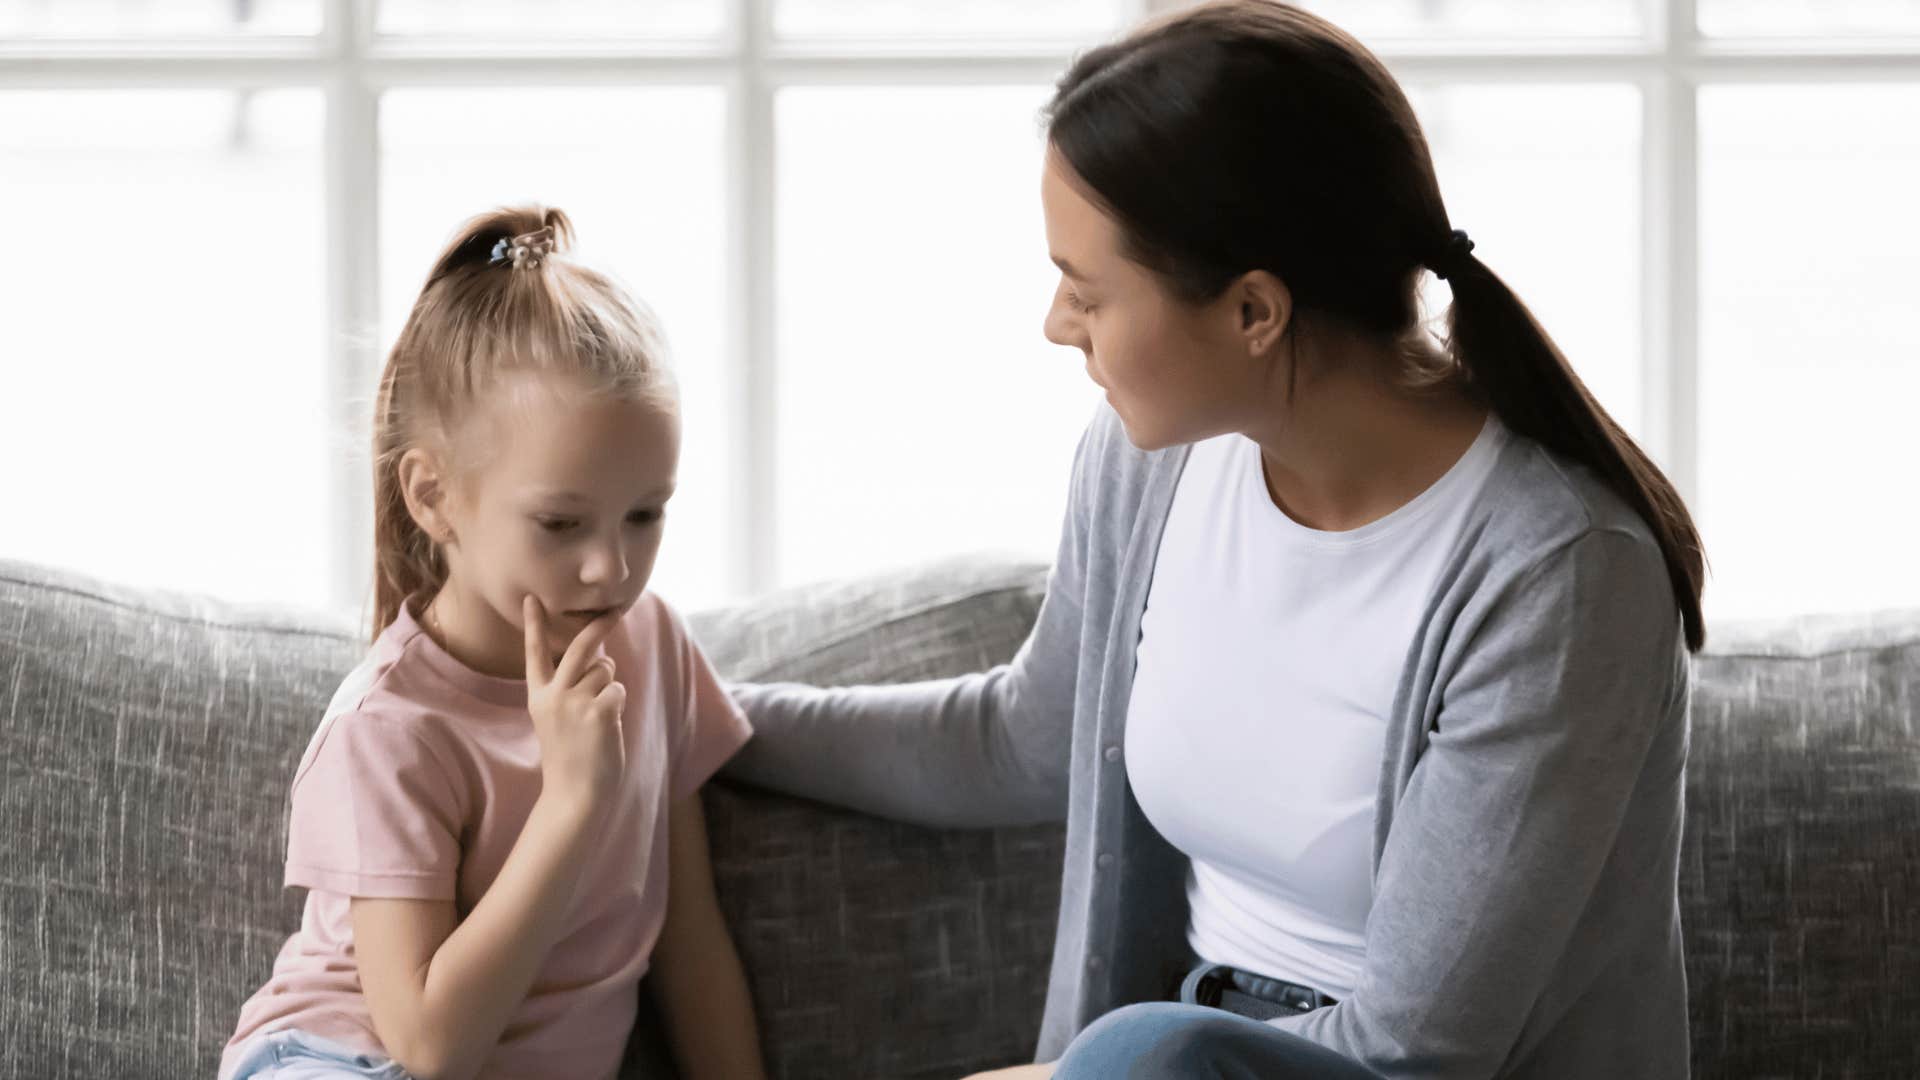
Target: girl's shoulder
point(391, 706)
point(656, 633)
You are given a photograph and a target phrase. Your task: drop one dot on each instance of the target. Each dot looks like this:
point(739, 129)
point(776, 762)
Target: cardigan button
point(1105, 860)
point(1113, 753)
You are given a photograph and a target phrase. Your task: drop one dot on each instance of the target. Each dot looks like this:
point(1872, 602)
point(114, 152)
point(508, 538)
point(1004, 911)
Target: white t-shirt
point(1268, 661)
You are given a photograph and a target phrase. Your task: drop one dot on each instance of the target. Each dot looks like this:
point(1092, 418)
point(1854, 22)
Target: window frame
point(352, 66)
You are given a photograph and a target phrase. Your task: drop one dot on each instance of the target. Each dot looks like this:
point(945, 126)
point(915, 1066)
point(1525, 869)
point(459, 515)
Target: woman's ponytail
point(1526, 380)
point(1249, 134)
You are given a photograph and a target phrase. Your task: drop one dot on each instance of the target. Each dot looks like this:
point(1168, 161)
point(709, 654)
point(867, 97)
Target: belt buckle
point(1204, 985)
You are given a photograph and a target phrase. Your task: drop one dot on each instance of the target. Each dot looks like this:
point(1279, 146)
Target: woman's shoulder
point(1539, 503)
point(1111, 476)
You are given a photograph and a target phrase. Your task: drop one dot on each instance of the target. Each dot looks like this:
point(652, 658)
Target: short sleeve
point(374, 814)
point(711, 727)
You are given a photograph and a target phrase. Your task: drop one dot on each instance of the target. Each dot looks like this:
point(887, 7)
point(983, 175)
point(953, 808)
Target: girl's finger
point(613, 697)
point(580, 651)
point(539, 664)
point(596, 678)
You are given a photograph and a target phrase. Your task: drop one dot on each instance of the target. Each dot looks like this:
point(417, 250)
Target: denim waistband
point(1243, 993)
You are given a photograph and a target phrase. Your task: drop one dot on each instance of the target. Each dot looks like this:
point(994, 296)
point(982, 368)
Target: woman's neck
point(1353, 446)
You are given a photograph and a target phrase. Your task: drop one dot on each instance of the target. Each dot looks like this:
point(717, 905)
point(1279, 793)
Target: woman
point(1361, 679)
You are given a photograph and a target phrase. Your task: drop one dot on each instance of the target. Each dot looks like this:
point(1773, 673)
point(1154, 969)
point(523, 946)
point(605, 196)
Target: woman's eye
point(645, 517)
point(1074, 301)
point(555, 525)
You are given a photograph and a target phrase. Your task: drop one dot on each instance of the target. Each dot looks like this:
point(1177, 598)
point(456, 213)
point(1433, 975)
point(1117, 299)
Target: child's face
point(559, 493)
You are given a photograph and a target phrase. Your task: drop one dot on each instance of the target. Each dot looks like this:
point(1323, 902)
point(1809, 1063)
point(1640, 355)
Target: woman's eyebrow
point(1067, 268)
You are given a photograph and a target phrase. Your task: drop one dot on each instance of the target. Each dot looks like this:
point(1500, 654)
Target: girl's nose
point(606, 564)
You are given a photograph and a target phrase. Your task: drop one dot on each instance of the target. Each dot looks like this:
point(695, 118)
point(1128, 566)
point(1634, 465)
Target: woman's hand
point(576, 708)
point(1017, 1072)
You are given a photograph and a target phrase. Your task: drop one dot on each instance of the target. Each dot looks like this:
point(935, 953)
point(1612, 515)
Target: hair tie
point(1452, 256)
point(525, 251)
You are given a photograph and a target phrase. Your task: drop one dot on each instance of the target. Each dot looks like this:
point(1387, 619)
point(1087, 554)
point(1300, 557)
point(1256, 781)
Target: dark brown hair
point(1251, 135)
point(502, 297)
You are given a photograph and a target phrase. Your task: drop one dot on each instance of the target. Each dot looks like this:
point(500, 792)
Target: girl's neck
point(471, 633)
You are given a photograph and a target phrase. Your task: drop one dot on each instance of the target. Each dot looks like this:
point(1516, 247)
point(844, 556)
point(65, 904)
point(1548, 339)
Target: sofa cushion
point(146, 745)
point(880, 949)
point(1801, 875)
point(147, 741)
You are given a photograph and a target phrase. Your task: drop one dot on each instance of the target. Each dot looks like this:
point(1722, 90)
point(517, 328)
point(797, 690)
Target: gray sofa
point(146, 742)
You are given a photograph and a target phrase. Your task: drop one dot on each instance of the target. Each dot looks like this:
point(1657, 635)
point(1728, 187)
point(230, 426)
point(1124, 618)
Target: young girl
point(498, 820)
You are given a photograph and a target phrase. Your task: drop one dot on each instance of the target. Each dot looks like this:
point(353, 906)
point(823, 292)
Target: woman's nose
point(1062, 329)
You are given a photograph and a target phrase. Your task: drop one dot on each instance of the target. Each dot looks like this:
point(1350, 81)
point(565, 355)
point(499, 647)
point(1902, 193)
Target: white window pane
point(1816, 18)
point(640, 173)
point(164, 412)
point(1810, 353)
point(1483, 18)
point(1546, 181)
point(155, 18)
point(977, 20)
point(921, 411)
point(551, 18)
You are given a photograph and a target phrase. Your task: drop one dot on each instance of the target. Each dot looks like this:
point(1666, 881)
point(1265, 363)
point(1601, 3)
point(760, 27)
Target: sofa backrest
point(1800, 880)
point(146, 741)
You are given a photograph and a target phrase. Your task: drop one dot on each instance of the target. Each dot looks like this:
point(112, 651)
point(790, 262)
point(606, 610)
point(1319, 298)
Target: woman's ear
point(423, 484)
point(1264, 309)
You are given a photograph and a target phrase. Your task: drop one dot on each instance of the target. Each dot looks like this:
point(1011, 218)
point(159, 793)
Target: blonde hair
point(502, 298)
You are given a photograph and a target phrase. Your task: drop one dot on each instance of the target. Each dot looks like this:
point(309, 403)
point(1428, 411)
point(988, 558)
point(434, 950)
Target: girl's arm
point(441, 994)
point(697, 981)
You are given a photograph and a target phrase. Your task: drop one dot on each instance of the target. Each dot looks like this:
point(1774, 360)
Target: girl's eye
point(1074, 301)
point(556, 525)
point(645, 517)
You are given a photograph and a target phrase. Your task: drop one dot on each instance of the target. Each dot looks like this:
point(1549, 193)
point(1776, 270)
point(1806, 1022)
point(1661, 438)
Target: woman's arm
point(980, 750)
point(697, 980)
point(1556, 717)
point(441, 993)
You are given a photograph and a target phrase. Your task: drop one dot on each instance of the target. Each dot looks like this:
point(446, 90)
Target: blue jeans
point(1168, 1041)
point(296, 1055)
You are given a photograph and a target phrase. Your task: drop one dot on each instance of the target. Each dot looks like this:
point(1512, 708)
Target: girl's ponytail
point(499, 298)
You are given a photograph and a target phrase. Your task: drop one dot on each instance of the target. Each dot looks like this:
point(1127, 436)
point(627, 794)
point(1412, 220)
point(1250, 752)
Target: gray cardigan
point(1525, 918)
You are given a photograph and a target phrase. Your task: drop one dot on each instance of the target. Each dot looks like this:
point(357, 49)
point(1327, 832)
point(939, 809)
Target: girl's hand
point(576, 708)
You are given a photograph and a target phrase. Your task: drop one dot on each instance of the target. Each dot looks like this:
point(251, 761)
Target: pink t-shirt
point(417, 785)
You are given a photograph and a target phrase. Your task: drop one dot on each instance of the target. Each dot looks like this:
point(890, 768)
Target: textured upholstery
point(147, 739)
point(1800, 882)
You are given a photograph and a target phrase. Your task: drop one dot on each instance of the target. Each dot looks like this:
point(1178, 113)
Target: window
point(1705, 203)
point(232, 204)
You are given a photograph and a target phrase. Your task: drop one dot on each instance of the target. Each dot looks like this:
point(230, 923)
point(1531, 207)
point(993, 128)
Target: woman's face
point(1174, 372)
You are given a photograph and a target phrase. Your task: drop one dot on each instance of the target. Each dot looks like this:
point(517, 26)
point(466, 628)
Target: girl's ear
point(423, 484)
